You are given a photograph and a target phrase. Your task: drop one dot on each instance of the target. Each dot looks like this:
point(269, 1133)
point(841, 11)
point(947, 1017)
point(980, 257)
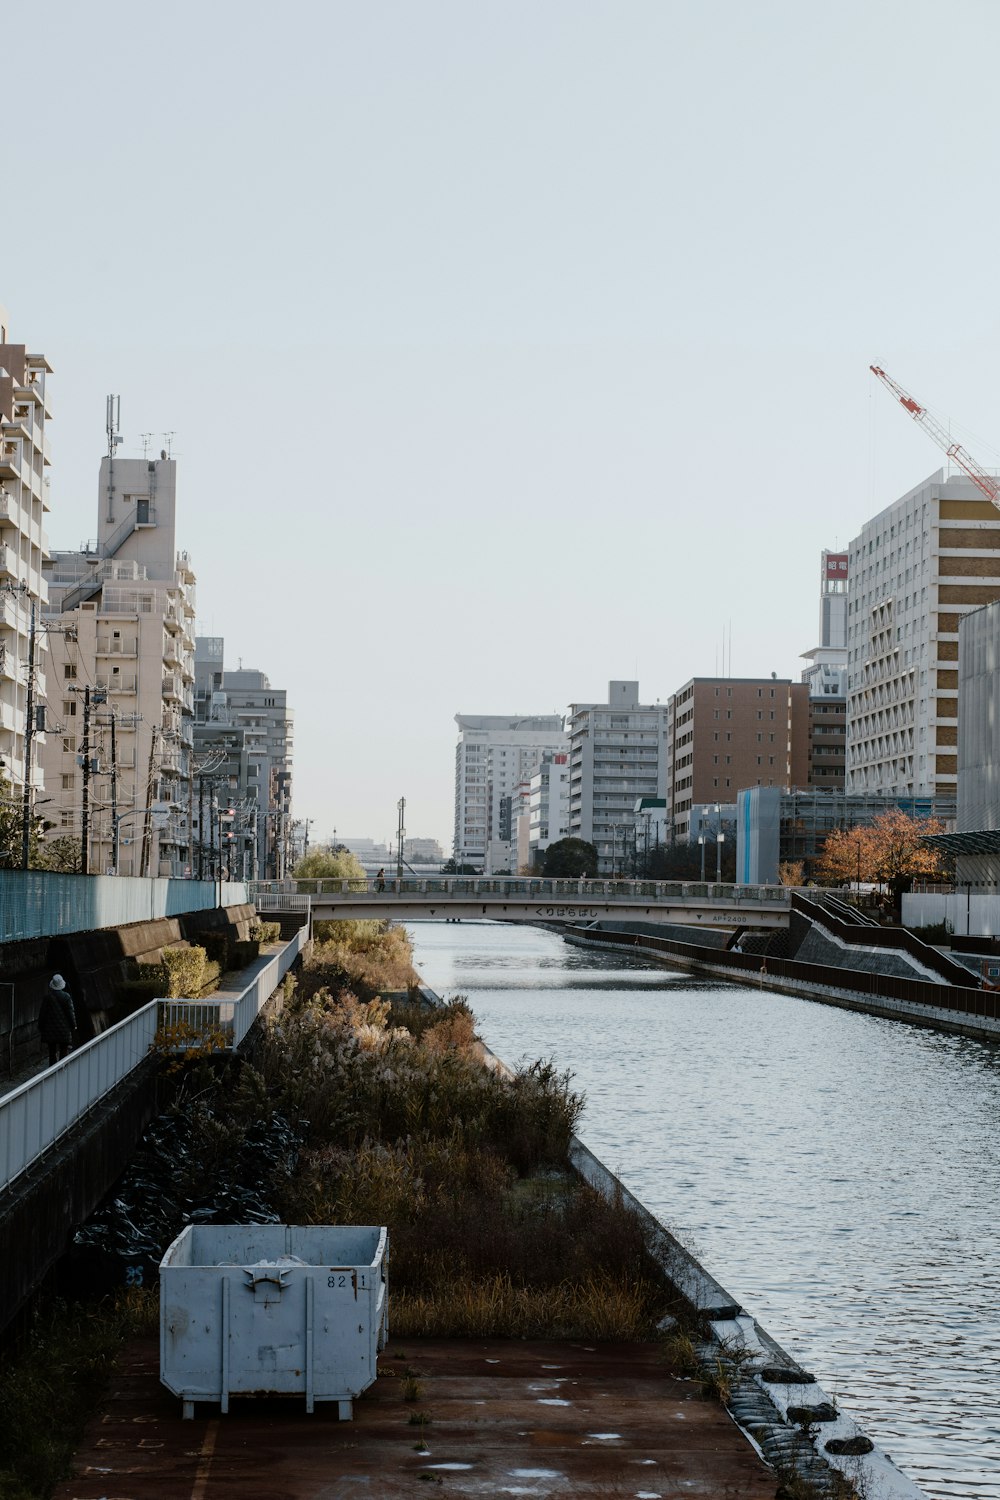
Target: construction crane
point(983, 481)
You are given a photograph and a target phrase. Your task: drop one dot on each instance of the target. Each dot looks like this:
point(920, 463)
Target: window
point(68, 781)
point(69, 671)
point(69, 708)
point(69, 742)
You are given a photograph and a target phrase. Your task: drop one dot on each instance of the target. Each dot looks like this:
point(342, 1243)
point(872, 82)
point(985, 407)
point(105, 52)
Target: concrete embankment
point(941, 1007)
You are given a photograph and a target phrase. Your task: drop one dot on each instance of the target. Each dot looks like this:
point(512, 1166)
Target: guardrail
point(35, 1116)
point(39, 1113)
point(265, 894)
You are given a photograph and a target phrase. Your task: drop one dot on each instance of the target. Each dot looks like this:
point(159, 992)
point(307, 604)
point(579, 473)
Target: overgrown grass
point(367, 958)
point(53, 1386)
point(466, 1166)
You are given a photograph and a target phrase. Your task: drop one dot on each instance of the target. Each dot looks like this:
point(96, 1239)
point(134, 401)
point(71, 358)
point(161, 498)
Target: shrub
point(264, 932)
point(192, 973)
point(218, 947)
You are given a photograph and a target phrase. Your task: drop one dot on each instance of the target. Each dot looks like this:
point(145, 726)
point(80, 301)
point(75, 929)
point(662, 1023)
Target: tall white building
point(120, 624)
point(617, 754)
point(494, 754)
point(916, 569)
point(827, 672)
point(24, 457)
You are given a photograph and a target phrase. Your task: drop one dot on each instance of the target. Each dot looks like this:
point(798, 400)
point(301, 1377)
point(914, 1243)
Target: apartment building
point(617, 754)
point(120, 625)
point(916, 569)
point(262, 712)
point(548, 808)
point(727, 733)
point(24, 458)
point(243, 737)
point(495, 753)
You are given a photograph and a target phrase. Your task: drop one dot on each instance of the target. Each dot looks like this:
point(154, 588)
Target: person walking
point(57, 1019)
point(380, 881)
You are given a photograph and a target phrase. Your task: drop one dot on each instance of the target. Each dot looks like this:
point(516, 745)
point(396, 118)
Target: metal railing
point(272, 894)
point(35, 1116)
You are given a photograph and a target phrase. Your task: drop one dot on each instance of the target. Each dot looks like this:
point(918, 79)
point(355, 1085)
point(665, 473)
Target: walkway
point(504, 1417)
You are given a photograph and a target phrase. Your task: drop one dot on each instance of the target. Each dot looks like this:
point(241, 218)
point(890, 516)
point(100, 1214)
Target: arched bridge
point(518, 899)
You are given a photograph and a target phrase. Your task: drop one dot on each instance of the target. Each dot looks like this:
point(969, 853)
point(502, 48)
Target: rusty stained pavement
point(500, 1417)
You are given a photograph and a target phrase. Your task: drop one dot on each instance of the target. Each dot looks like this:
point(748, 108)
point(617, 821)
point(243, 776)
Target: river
point(837, 1173)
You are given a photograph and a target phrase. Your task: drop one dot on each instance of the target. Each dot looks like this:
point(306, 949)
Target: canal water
point(837, 1173)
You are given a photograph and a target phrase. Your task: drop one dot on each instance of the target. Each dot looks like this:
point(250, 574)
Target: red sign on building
point(836, 565)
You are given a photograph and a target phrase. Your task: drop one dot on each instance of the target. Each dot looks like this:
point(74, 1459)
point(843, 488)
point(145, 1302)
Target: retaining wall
point(95, 965)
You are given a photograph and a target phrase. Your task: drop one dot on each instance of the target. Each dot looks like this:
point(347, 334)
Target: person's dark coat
point(57, 1018)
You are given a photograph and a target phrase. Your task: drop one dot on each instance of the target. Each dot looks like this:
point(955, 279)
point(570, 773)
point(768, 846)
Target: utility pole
point(85, 757)
point(201, 827)
point(147, 824)
point(114, 790)
point(29, 731)
point(400, 836)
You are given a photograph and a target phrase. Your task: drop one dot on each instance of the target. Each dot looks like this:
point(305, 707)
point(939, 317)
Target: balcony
point(173, 689)
point(8, 562)
point(10, 459)
point(108, 645)
point(116, 682)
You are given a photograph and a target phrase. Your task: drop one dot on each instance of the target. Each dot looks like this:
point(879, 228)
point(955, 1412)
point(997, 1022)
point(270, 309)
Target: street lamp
point(702, 841)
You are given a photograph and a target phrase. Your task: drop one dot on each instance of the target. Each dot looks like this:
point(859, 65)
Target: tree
point(11, 827)
point(326, 864)
point(570, 857)
point(451, 867)
point(791, 872)
point(61, 854)
point(889, 850)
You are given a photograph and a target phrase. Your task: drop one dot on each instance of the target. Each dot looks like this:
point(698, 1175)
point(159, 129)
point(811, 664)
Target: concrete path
point(562, 1421)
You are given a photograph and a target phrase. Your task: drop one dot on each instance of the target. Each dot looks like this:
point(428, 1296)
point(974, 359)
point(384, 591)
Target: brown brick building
point(727, 733)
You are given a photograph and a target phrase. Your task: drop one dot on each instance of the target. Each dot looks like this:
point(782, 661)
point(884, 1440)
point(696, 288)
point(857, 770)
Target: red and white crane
point(989, 485)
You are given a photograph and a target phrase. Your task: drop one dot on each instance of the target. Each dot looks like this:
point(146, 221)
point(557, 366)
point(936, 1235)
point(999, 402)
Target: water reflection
point(837, 1172)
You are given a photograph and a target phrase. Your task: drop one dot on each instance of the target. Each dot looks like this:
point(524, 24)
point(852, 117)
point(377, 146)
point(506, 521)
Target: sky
point(506, 349)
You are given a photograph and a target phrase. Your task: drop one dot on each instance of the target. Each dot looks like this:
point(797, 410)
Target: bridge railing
point(35, 1116)
point(274, 893)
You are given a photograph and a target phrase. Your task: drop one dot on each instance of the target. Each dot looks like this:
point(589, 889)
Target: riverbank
point(858, 990)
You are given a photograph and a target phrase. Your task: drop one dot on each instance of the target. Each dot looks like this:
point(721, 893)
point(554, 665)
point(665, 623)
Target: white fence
point(35, 1116)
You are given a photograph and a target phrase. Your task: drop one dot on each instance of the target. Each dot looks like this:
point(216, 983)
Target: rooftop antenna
point(147, 438)
point(168, 443)
point(112, 422)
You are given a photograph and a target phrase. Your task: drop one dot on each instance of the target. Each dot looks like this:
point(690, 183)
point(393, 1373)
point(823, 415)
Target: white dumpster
point(273, 1309)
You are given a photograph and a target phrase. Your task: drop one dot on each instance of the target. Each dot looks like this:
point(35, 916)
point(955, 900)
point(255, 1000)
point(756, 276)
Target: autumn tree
point(889, 850)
